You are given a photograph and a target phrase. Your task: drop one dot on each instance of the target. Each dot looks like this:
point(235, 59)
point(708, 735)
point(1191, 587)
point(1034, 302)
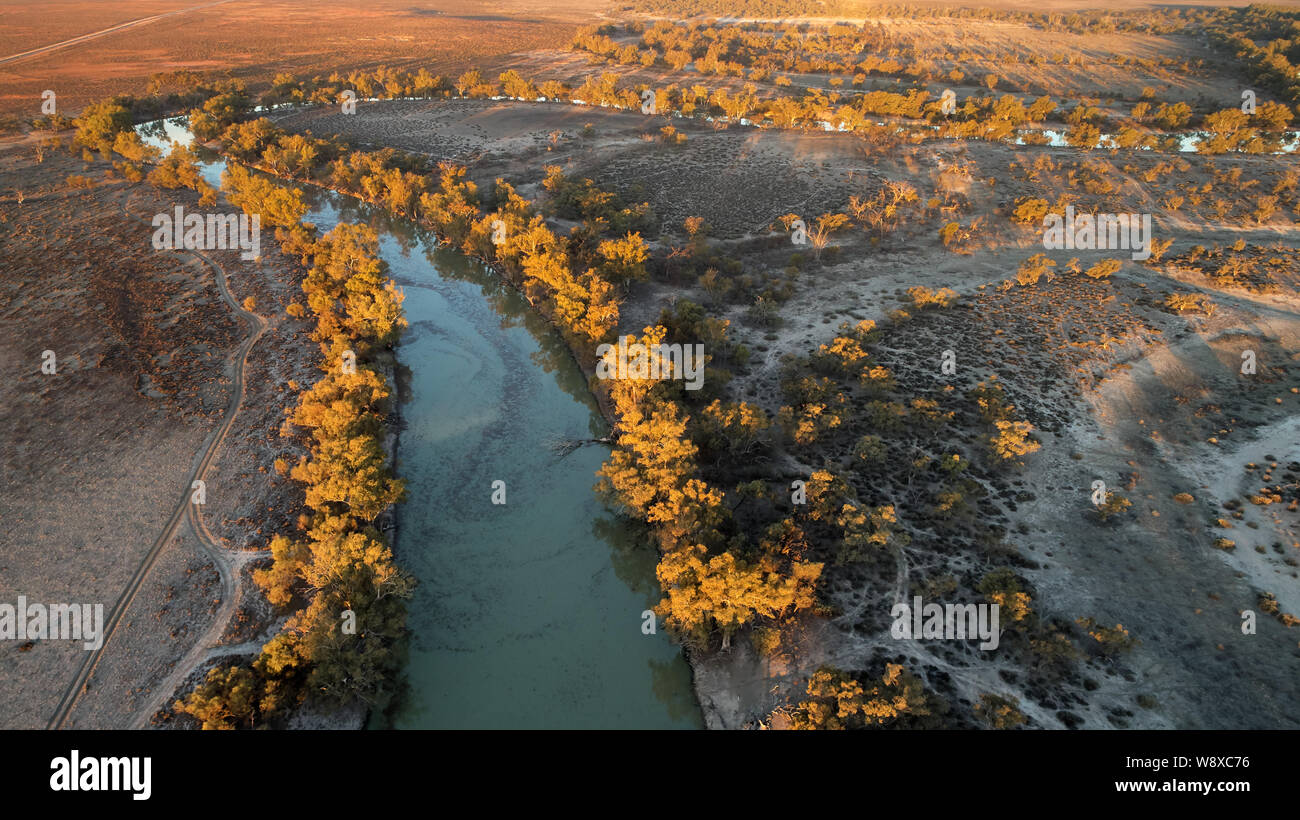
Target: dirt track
point(12, 58)
point(183, 509)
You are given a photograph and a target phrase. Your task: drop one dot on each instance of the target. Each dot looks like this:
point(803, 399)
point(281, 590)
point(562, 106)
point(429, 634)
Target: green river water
point(527, 614)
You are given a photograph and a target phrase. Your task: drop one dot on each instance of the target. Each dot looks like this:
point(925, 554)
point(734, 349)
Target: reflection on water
point(527, 614)
point(1285, 143)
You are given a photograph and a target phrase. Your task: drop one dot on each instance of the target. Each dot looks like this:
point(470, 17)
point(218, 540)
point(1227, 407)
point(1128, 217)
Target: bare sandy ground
point(1079, 66)
point(256, 39)
point(775, 172)
point(100, 453)
point(1160, 573)
point(95, 465)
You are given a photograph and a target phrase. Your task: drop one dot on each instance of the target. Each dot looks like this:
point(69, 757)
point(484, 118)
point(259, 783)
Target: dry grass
point(256, 39)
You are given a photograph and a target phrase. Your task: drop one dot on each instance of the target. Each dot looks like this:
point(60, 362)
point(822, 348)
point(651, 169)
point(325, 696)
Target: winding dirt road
point(227, 565)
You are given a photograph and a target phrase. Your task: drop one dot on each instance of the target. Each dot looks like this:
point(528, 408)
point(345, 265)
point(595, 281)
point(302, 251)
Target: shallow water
point(1187, 142)
point(527, 614)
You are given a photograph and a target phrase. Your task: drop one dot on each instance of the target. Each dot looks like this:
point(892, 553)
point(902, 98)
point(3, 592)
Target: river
point(528, 614)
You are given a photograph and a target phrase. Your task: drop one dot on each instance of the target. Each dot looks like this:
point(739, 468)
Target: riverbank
point(998, 328)
point(734, 688)
point(165, 353)
point(500, 415)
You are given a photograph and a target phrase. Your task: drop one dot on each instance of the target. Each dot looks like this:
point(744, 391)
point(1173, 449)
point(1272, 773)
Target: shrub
point(1011, 441)
point(1030, 211)
point(871, 450)
point(999, 712)
point(1104, 268)
point(923, 297)
point(1114, 505)
point(1110, 640)
point(1190, 303)
point(1034, 268)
